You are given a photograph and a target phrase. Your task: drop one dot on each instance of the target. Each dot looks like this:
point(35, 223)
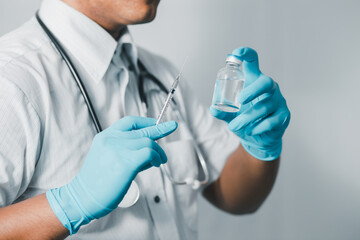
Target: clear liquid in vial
point(226, 94)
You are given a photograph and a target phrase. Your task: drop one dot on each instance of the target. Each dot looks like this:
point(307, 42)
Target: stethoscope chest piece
point(131, 197)
point(133, 193)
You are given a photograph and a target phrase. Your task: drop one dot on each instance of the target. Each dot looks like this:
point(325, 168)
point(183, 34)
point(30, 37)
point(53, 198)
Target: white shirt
point(46, 130)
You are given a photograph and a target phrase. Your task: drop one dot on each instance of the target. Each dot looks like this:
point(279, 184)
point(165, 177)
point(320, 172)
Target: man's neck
point(114, 29)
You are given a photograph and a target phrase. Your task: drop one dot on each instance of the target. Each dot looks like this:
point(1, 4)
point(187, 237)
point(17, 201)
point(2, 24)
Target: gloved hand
point(263, 116)
point(116, 156)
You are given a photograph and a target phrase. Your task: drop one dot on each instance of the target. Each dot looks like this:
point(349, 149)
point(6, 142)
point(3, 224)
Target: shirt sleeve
point(215, 140)
point(19, 142)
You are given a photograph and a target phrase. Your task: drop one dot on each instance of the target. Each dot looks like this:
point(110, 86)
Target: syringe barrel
point(167, 102)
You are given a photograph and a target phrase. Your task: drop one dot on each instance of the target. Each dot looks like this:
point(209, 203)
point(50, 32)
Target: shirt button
point(157, 199)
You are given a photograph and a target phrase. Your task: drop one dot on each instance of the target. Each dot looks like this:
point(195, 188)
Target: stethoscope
point(132, 195)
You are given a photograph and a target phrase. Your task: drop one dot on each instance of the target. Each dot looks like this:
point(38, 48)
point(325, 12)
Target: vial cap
point(233, 59)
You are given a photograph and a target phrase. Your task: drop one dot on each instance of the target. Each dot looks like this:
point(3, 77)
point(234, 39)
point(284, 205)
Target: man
point(46, 134)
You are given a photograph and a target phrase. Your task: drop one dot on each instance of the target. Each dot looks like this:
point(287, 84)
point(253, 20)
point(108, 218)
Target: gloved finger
point(145, 142)
point(262, 85)
point(145, 167)
point(129, 123)
point(276, 121)
point(250, 63)
point(258, 111)
point(138, 144)
point(147, 156)
point(155, 132)
point(225, 116)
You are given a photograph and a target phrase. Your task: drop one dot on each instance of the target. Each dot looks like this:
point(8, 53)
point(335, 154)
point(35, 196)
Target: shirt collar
point(91, 45)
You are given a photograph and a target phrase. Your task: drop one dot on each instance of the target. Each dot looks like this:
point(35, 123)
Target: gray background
point(311, 48)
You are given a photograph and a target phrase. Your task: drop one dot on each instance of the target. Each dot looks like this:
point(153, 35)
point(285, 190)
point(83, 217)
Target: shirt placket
point(150, 181)
point(152, 186)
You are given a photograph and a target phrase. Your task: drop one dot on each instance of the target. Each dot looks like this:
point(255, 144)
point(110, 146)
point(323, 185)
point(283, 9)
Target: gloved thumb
point(250, 60)
point(157, 131)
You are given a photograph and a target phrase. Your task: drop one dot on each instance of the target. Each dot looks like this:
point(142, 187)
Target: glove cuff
point(67, 209)
point(66, 204)
point(263, 153)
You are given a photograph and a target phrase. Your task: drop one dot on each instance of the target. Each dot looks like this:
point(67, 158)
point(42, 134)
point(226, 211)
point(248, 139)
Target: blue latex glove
point(116, 156)
point(263, 116)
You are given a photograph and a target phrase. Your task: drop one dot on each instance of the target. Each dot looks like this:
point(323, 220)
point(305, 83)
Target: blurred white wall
point(311, 48)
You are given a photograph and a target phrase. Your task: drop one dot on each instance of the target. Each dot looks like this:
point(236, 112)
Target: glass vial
point(229, 83)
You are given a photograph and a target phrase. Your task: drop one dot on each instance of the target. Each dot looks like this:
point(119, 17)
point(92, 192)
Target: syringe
point(171, 93)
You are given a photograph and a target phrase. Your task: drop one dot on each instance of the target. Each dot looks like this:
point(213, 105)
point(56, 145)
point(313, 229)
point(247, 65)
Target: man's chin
point(149, 17)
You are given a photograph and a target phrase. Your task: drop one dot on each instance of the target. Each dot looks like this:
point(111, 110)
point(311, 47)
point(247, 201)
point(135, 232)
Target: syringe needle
point(182, 67)
point(177, 79)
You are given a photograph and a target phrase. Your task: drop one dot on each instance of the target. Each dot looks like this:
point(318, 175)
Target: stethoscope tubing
point(195, 183)
point(74, 73)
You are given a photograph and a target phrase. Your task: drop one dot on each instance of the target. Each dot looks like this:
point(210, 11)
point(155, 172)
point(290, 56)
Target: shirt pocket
point(182, 159)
